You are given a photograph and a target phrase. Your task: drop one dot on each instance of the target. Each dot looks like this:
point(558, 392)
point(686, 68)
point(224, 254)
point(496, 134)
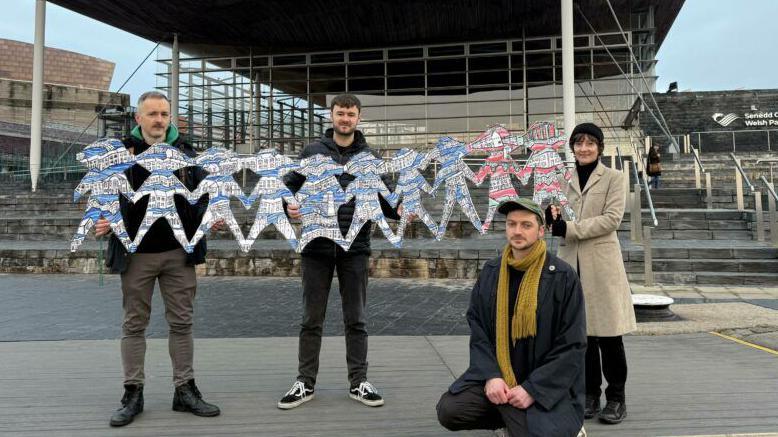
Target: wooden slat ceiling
point(284, 26)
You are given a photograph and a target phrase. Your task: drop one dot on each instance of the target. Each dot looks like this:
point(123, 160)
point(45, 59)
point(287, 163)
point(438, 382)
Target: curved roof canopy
point(286, 26)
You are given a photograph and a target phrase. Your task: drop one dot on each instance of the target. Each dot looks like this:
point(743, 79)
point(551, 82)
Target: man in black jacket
point(159, 257)
point(527, 340)
point(321, 257)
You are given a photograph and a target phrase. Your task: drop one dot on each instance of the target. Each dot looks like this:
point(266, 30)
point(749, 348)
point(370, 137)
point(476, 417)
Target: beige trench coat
point(592, 247)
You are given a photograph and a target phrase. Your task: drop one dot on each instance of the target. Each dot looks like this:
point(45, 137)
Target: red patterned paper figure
point(544, 140)
point(498, 142)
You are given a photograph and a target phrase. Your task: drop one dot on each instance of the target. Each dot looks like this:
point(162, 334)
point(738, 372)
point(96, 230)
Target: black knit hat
point(587, 128)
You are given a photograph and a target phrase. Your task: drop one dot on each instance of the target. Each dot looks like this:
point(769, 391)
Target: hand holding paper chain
point(544, 140)
point(106, 160)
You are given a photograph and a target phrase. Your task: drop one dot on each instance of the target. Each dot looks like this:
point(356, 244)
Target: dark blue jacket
point(556, 375)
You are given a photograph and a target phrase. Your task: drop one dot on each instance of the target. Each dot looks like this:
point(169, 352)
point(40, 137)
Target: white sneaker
point(299, 394)
point(367, 394)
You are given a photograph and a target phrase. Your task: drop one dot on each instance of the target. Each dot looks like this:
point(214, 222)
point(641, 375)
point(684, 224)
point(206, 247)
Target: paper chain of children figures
point(321, 195)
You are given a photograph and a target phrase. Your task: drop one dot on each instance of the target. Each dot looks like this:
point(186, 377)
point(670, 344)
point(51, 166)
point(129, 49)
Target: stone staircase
point(691, 244)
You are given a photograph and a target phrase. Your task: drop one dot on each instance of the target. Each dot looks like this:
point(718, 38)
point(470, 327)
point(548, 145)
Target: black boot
point(613, 413)
point(188, 398)
point(592, 407)
point(132, 405)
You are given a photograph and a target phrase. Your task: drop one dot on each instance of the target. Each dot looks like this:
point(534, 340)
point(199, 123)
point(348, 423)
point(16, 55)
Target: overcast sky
point(713, 44)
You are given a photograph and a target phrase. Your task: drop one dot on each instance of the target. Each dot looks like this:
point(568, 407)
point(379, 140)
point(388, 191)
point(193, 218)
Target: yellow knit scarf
point(524, 322)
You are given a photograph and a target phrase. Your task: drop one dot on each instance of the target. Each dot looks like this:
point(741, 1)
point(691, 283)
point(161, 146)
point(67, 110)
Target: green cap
point(515, 203)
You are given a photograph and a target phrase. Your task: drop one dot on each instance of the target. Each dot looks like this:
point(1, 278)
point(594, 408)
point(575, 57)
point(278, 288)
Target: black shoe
point(613, 413)
point(367, 394)
point(189, 399)
point(132, 405)
point(592, 407)
point(299, 394)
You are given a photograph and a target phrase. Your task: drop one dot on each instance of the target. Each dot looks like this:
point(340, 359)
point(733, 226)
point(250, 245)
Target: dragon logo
point(724, 120)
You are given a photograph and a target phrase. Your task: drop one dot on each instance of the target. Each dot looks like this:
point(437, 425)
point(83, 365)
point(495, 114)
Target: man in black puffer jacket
point(159, 257)
point(321, 257)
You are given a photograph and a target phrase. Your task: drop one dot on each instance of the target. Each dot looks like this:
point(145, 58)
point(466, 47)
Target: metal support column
point(568, 71)
point(174, 70)
point(36, 120)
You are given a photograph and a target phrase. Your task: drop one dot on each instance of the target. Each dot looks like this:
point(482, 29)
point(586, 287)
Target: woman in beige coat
point(590, 245)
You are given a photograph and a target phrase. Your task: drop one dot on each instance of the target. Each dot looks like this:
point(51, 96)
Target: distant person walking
point(654, 169)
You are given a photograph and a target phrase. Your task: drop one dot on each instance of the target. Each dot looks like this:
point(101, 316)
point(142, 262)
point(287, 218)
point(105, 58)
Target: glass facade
point(411, 95)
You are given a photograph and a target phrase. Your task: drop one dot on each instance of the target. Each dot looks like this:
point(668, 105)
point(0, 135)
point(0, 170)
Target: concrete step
point(707, 265)
point(708, 278)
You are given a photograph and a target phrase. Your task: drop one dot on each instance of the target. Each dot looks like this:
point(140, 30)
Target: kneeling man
point(527, 340)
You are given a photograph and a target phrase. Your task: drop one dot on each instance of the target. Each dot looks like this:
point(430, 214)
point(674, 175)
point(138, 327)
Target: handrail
point(770, 188)
point(742, 173)
point(621, 159)
point(697, 158)
point(645, 188)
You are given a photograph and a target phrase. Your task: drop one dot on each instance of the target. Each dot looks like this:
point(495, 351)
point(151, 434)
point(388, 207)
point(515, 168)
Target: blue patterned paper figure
point(365, 188)
point(454, 172)
point(220, 186)
point(270, 166)
point(320, 196)
point(410, 183)
point(162, 160)
point(106, 159)
point(498, 142)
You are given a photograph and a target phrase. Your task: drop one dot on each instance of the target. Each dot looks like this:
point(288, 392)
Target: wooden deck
point(678, 385)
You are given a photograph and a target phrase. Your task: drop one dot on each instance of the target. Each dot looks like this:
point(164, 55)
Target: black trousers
point(471, 409)
point(317, 274)
point(613, 365)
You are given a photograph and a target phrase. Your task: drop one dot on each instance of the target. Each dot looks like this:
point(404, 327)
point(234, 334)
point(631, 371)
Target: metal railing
point(741, 140)
point(740, 177)
point(699, 168)
point(62, 172)
point(650, 201)
point(772, 162)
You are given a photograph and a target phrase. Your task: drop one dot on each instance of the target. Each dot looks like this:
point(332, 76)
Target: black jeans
point(614, 366)
point(317, 273)
point(471, 409)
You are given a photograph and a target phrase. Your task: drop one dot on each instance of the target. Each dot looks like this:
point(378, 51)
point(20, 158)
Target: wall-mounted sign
point(754, 118)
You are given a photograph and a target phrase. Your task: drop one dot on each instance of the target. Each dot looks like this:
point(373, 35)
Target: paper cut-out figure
point(498, 142)
point(106, 159)
point(454, 172)
point(367, 169)
point(270, 166)
point(220, 186)
point(320, 196)
point(545, 140)
point(162, 160)
point(410, 183)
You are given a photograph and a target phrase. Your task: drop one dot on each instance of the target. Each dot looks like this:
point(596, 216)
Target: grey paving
point(678, 385)
point(68, 307)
